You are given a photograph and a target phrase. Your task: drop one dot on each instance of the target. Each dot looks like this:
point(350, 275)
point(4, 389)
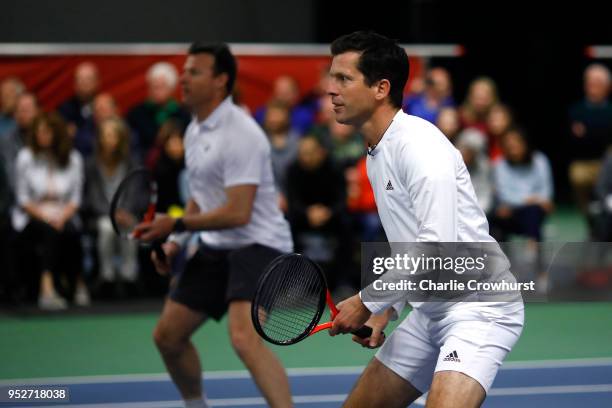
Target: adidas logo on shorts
point(452, 357)
point(389, 186)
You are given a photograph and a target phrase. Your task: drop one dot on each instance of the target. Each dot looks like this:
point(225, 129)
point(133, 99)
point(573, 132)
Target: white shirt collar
point(372, 151)
point(212, 121)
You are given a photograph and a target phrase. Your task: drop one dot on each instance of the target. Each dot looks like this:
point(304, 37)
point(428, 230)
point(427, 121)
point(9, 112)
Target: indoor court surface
point(563, 359)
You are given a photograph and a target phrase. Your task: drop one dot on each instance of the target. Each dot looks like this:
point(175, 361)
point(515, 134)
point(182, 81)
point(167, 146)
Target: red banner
point(123, 76)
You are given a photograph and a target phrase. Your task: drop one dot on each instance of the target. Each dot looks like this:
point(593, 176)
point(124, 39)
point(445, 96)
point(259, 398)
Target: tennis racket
point(290, 299)
point(134, 202)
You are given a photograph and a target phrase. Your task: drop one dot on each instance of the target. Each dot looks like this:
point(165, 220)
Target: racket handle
point(159, 251)
point(364, 332)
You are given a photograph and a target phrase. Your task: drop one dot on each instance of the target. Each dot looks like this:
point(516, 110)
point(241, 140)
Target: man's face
point(310, 154)
point(9, 92)
point(160, 90)
point(286, 90)
point(86, 81)
point(198, 81)
point(596, 86)
point(513, 147)
point(353, 99)
point(25, 111)
point(439, 82)
point(104, 108)
point(276, 120)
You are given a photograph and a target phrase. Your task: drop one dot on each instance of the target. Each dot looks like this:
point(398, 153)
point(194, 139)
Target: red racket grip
point(148, 217)
point(363, 332)
point(150, 214)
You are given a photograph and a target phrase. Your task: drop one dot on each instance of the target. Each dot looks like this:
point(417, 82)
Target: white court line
point(293, 372)
point(568, 363)
point(551, 389)
point(250, 401)
point(218, 402)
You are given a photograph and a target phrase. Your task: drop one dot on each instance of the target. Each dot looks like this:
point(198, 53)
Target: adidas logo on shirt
point(452, 357)
point(389, 186)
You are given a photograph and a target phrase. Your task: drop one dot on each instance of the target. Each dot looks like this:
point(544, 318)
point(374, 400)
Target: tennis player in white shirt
point(424, 194)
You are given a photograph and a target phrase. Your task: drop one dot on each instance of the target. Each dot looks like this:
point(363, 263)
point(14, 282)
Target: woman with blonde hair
point(105, 170)
point(481, 97)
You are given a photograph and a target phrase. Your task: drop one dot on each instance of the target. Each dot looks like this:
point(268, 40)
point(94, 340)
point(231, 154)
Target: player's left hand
point(159, 228)
point(377, 323)
point(352, 315)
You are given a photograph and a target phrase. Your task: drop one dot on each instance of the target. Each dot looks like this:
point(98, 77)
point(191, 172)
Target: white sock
point(196, 403)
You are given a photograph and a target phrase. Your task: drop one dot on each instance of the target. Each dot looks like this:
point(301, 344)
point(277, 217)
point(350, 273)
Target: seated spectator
point(317, 203)
point(78, 110)
point(590, 133)
point(12, 142)
point(169, 166)
point(146, 118)
point(344, 144)
point(287, 91)
point(437, 94)
point(603, 190)
point(523, 188)
point(10, 89)
point(7, 288)
point(284, 144)
point(473, 147)
point(49, 181)
point(5, 200)
point(499, 120)
point(105, 169)
point(481, 97)
point(448, 122)
point(104, 107)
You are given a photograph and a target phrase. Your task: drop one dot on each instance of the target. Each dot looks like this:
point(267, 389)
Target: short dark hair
point(522, 134)
point(381, 58)
point(225, 62)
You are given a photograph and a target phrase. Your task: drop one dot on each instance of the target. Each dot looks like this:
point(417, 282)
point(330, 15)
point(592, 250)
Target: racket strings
point(135, 199)
point(290, 301)
point(285, 299)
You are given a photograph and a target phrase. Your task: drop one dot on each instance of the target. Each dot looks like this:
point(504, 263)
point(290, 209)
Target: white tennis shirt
point(422, 189)
point(228, 149)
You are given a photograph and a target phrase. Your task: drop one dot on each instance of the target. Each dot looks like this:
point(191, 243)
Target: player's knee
point(244, 340)
point(166, 341)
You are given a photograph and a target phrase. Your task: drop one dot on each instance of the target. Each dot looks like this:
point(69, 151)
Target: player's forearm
point(191, 208)
point(221, 218)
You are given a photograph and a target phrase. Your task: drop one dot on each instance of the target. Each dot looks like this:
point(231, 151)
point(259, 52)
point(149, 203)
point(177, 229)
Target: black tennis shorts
point(212, 278)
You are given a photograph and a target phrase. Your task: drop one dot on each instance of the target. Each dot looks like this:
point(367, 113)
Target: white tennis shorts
point(473, 340)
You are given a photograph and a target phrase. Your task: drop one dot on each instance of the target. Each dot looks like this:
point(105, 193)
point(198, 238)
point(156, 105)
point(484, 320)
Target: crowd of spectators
point(59, 170)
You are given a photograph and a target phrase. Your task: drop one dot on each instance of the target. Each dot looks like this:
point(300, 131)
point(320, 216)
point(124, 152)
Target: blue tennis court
point(560, 383)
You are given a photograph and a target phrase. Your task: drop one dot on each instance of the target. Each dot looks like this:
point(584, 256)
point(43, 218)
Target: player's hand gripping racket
point(134, 202)
point(290, 299)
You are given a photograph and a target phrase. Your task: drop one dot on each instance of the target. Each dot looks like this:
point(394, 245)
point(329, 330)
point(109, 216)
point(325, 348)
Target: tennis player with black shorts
point(234, 210)
point(424, 195)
